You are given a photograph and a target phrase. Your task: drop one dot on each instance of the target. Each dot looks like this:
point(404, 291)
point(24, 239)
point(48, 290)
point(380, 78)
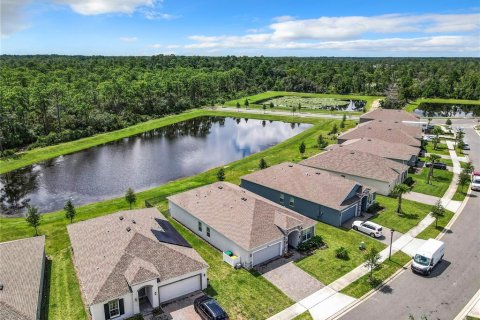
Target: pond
point(140, 162)
point(447, 110)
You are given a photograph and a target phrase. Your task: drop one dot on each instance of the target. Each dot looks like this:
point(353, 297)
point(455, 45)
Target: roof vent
point(1, 287)
point(128, 229)
point(134, 222)
point(352, 152)
point(317, 173)
point(244, 199)
point(290, 165)
point(369, 139)
point(121, 218)
point(220, 187)
point(343, 176)
point(389, 129)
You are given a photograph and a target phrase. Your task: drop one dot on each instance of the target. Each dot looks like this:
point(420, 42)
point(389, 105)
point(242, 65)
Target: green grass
point(441, 148)
point(412, 213)
point(414, 105)
point(323, 264)
point(362, 286)
point(460, 193)
point(304, 316)
point(448, 162)
point(432, 231)
point(64, 295)
point(439, 183)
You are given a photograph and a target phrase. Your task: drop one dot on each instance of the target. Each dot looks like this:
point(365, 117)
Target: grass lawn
point(256, 100)
point(414, 105)
point(461, 193)
point(431, 231)
point(412, 213)
point(439, 183)
point(323, 264)
point(64, 294)
point(304, 316)
point(448, 162)
point(441, 148)
point(363, 285)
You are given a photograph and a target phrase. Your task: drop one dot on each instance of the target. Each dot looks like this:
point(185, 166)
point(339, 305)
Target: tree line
point(50, 99)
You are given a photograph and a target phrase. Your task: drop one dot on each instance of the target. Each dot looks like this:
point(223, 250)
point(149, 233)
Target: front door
point(142, 293)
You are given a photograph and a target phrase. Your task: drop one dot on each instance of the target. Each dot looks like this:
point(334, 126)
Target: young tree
point(262, 164)
point(246, 103)
point(321, 142)
point(70, 211)
point(334, 129)
point(432, 158)
point(459, 136)
point(302, 148)
point(372, 261)
point(221, 174)
point(33, 218)
point(463, 180)
point(469, 168)
point(342, 124)
point(448, 122)
point(293, 110)
point(299, 106)
point(130, 197)
point(264, 108)
point(271, 105)
point(436, 141)
point(238, 106)
point(437, 131)
point(437, 211)
point(399, 190)
point(344, 118)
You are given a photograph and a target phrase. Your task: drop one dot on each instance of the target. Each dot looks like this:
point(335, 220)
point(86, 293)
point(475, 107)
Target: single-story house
point(233, 219)
point(399, 152)
point(388, 115)
point(368, 169)
point(413, 131)
point(22, 266)
point(314, 193)
point(132, 261)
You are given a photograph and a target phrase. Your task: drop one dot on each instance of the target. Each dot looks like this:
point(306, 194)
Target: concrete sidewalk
point(420, 197)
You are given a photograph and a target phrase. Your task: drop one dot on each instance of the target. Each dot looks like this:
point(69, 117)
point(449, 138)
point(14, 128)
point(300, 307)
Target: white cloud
point(128, 39)
point(155, 15)
point(156, 45)
point(94, 7)
point(283, 18)
point(12, 16)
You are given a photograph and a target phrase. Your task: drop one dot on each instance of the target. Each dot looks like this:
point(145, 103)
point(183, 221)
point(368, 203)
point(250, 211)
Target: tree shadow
point(46, 289)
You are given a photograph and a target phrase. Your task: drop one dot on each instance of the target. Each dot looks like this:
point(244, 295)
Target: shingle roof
point(109, 259)
point(240, 215)
point(21, 267)
point(389, 114)
point(413, 131)
point(307, 183)
point(380, 148)
point(389, 134)
point(358, 163)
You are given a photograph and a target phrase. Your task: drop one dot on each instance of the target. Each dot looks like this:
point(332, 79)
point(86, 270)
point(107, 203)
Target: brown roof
point(389, 114)
point(358, 163)
point(21, 268)
point(389, 134)
point(109, 259)
point(379, 147)
point(240, 215)
point(308, 183)
point(413, 131)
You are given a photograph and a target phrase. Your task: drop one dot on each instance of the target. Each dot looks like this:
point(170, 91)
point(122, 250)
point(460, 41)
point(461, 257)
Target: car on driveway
point(209, 309)
point(372, 229)
point(436, 165)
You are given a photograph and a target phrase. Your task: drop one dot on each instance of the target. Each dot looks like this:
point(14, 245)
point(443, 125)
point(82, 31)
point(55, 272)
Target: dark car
point(466, 147)
point(436, 165)
point(209, 309)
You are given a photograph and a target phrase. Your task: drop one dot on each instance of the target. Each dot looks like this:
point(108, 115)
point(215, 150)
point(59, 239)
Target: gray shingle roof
point(21, 267)
point(307, 183)
point(240, 215)
point(386, 133)
point(358, 163)
point(413, 131)
point(109, 259)
point(389, 114)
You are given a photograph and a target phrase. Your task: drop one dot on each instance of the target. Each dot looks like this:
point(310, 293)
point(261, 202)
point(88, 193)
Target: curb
point(464, 313)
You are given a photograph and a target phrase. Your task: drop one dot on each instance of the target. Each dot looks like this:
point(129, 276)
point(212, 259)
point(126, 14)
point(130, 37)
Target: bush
point(341, 253)
point(375, 207)
point(409, 181)
point(312, 244)
point(137, 316)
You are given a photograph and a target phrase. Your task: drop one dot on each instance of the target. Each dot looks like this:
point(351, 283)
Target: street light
point(391, 241)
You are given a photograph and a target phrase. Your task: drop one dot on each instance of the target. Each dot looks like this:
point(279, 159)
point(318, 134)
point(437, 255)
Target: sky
point(421, 28)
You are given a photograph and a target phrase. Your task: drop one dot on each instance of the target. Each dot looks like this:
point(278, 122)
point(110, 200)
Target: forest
point(45, 100)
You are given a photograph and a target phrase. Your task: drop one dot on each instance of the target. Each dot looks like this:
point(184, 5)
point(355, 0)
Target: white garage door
point(266, 253)
point(179, 288)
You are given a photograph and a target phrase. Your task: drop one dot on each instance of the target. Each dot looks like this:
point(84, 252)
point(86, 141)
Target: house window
point(114, 308)
point(282, 198)
point(208, 231)
point(200, 226)
point(292, 202)
point(306, 234)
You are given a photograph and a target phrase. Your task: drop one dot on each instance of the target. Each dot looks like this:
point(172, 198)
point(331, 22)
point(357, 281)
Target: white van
point(428, 256)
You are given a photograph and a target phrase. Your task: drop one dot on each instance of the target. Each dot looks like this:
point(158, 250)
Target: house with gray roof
point(388, 115)
point(233, 219)
point(317, 194)
point(22, 265)
point(366, 168)
point(395, 133)
point(132, 261)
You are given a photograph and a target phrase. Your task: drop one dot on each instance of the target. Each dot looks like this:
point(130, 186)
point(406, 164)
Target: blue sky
point(261, 27)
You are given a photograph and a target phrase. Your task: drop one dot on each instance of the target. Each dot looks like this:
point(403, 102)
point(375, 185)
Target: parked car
point(209, 309)
point(436, 165)
point(465, 146)
point(428, 137)
point(475, 181)
point(428, 256)
point(372, 229)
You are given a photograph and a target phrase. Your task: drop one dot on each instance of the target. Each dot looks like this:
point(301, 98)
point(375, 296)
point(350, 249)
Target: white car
point(475, 182)
point(372, 229)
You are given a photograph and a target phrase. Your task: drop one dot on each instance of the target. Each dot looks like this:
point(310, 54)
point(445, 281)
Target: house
point(395, 133)
point(365, 168)
point(22, 265)
point(388, 115)
point(399, 152)
point(132, 261)
point(233, 219)
point(314, 193)
point(413, 131)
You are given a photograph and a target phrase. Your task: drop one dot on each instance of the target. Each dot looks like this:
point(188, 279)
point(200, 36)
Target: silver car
point(372, 229)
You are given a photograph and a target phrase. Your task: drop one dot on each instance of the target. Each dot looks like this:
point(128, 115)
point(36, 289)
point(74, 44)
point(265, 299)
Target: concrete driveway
point(386, 231)
point(182, 309)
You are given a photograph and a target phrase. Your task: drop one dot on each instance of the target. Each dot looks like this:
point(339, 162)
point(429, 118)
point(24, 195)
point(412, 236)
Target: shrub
point(312, 244)
point(341, 253)
point(409, 181)
point(375, 207)
point(137, 316)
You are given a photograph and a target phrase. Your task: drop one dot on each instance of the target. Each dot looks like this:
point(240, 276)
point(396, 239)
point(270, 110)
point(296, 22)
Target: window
point(200, 226)
point(208, 231)
point(114, 308)
point(282, 197)
point(306, 234)
point(292, 202)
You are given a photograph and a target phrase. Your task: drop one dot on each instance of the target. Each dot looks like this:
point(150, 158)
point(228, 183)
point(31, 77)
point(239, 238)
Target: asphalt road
point(452, 284)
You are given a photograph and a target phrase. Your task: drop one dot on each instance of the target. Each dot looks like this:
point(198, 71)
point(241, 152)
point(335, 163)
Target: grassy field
point(412, 213)
point(304, 316)
point(64, 294)
point(256, 100)
point(362, 286)
point(438, 185)
point(441, 149)
point(323, 264)
point(431, 231)
point(460, 193)
point(414, 105)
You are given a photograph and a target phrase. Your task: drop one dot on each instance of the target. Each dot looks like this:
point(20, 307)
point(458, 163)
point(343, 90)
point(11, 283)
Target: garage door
point(179, 288)
point(266, 253)
point(349, 213)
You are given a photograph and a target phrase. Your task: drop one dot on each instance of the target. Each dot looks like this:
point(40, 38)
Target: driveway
point(386, 231)
point(293, 281)
point(182, 309)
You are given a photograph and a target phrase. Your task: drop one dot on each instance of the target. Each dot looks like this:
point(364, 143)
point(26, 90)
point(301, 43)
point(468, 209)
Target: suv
point(368, 227)
point(476, 181)
point(209, 309)
point(436, 165)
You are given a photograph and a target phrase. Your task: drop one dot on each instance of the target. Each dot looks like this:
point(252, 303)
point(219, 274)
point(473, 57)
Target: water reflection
point(141, 162)
point(447, 110)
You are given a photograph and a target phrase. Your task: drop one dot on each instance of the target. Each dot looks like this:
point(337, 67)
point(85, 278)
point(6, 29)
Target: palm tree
point(399, 190)
point(437, 131)
point(432, 158)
